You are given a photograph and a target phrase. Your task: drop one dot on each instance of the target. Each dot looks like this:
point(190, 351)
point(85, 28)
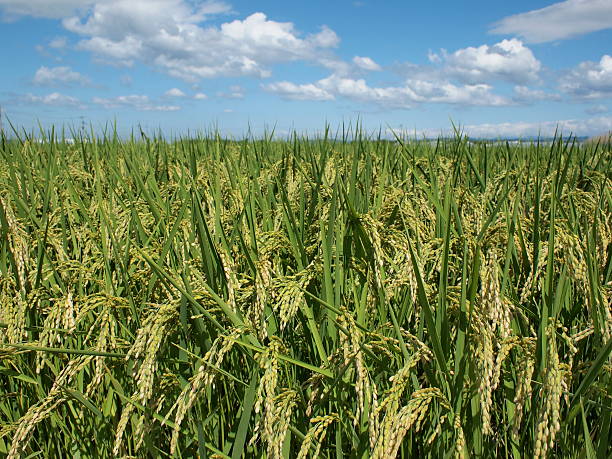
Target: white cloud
point(168, 35)
point(54, 9)
point(411, 93)
point(526, 94)
point(172, 36)
point(235, 92)
point(174, 92)
point(119, 54)
point(589, 80)
point(292, 91)
point(200, 96)
point(434, 58)
point(358, 90)
point(558, 21)
point(522, 129)
point(59, 76)
point(366, 63)
point(326, 38)
point(578, 127)
point(57, 9)
point(134, 101)
point(336, 66)
point(359, 65)
point(53, 99)
point(449, 93)
point(507, 60)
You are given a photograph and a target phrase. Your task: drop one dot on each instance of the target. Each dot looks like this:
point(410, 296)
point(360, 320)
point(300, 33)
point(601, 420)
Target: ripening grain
point(328, 297)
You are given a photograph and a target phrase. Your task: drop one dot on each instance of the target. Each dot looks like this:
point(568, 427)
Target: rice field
point(336, 296)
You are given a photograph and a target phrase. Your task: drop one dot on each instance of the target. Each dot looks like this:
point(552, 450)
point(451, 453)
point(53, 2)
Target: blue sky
point(496, 68)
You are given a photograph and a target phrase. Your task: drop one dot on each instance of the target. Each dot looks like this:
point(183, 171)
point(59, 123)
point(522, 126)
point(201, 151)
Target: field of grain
point(341, 296)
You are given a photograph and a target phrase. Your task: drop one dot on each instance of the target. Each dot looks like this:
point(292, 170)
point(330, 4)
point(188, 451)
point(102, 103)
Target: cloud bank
point(558, 21)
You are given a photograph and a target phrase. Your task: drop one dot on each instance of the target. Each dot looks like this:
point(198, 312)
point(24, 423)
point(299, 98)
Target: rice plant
point(338, 296)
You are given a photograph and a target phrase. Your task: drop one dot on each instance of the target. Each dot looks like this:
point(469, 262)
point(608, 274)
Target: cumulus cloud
point(56, 9)
point(200, 96)
point(589, 80)
point(173, 36)
point(175, 93)
point(411, 93)
point(366, 63)
point(558, 21)
point(449, 93)
point(137, 102)
point(337, 66)
point(508, 60)
point(359, 65)
point(524, 129)
point(434, 58)
point(292, 91)
point(169, 35)
point(54, 99)
point(59, 76)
